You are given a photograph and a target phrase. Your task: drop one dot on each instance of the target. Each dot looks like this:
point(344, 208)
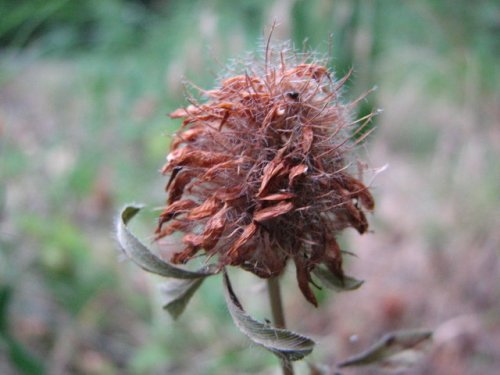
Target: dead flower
point(259, 171)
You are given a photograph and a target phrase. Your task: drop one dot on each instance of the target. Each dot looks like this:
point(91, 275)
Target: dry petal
point(176, 208)
point(195, 158)
point(296, 172)
point(303, 279)
point(271, 170)
point(210, 207)
point(307, 138)
point(176, 188)
point(245, 236)
point(214, 228)
point(277, 197)
point(272, 212)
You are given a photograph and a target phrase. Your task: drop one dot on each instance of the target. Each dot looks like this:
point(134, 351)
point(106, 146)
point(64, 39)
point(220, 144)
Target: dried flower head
point(259, 172)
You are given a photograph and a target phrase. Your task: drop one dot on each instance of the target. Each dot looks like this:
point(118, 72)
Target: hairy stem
point(273, 286)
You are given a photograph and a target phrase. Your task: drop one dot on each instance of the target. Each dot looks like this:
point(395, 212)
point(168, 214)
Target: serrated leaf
point(141, 255)
point(287, 345)
point(177, 293)
point(331, 281)
point(391, 348)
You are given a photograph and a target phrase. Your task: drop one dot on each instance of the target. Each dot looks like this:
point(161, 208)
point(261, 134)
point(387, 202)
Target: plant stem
point(273, 286)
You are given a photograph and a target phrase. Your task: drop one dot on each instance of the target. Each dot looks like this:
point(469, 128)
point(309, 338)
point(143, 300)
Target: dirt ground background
point(84, 92)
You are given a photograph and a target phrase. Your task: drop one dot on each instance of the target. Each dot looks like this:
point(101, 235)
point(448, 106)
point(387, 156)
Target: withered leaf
point(332, 281)
point(287, 345)
point(177, 293)
point(143, 257)
point(389, 347)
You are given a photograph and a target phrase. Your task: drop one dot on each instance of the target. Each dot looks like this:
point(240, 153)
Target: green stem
point(273, 286)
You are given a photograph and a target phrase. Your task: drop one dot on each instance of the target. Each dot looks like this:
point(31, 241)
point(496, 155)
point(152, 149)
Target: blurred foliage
point(18, 354)
point(87, 131)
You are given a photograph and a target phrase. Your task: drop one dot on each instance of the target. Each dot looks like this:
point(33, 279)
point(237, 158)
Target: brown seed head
point(258, 172)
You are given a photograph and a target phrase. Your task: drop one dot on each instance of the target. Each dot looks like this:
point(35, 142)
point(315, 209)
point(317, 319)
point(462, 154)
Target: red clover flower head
point(259, 172)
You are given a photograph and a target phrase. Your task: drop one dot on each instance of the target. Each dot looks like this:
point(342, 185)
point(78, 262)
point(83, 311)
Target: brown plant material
point(259, 172)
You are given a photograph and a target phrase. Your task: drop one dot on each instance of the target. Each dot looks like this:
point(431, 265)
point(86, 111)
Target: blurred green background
point(85, 87)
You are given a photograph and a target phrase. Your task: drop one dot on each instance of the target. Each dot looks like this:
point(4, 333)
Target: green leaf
point(20, 357)
point(394, 349)
point(144, 258)
point(6, 292)
point(25, 362)
point(289, 346)
point(177, 293)
point(331, 281)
